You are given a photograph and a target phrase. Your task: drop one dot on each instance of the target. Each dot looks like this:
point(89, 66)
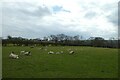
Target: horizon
point(42, 38)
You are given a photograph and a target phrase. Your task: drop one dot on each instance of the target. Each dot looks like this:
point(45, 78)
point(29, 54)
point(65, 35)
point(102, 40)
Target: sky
point(39, 18)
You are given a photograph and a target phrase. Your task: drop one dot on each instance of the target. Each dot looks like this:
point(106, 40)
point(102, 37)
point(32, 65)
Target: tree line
point(63, 40)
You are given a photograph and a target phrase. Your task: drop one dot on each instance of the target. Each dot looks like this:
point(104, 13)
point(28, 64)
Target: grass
point(88, 62)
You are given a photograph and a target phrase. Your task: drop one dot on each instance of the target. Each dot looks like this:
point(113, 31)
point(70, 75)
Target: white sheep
point(50, 52)
point(71, 52)
point(41, 48)
point(61, 52)
point(22, 52)
point(45, 49)
point(13, 56)
point(49, 44)
point(27, 53)
point(57, 52)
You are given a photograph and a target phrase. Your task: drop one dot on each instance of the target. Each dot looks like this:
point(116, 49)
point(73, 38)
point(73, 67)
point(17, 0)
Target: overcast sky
point(39, 18)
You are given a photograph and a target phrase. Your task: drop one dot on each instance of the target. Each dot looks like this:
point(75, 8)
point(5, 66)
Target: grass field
point(87, 62)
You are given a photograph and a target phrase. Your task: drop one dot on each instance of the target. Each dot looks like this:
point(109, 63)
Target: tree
point(98, 42)
point(53, 38)
point(9, 37)
point(61, 37)
point(76, 38)
point(45, 38)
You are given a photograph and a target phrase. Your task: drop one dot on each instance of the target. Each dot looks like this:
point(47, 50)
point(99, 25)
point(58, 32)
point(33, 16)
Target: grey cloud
point(113, 10)
point(38, 31)
point(22, 12)
point(113, 18)
point(90, 14)
point(109, 7)
point(39, 12)
point(18, 21)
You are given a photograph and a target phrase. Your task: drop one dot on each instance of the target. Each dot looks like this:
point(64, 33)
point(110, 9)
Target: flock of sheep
point(15, 56)
point(28, 53)
point(61, 52)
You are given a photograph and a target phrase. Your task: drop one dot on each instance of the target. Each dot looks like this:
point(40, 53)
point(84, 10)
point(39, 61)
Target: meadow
point(87, 62)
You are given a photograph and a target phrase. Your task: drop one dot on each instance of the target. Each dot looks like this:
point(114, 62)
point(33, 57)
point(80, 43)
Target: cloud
point(38, 12)
point(90, 15)
point(45, 17)
point(113, 18)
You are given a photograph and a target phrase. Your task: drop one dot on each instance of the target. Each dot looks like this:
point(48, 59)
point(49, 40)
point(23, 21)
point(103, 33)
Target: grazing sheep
point(27, 53)
point(57, 52)
point(61, 52)
point(49, 44)
point(22, 52)
point(13, 56)
point(50, 52)
point(71, 52)
point(41, 48)
point(45, 49)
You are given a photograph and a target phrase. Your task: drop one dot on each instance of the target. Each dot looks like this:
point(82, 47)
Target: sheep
point(71, 52)
point(61, 52)
point(27, 53)
point(45, 49)
point(50, 52)
point(13, 56)
point(22, 52)
point(41, 48)
point(57, 52)
point(49, 44)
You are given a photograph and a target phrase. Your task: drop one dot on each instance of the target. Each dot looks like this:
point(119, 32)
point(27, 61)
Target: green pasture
point(87, 62)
